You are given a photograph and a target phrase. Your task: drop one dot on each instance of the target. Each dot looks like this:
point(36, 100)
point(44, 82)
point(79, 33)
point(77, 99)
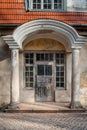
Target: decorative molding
point(55, 28)
point(10, 41)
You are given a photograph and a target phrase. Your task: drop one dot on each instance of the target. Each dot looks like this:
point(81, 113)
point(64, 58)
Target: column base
point(76, 105)
point(14, 106)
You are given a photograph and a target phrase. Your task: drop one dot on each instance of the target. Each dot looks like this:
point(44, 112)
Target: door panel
point(44, 83)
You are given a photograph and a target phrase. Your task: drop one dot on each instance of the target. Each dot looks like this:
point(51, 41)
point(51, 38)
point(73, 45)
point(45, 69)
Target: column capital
point(75, 50)
point(13, 49)
point(76, 47)
point(14, 46)
point(10, 41)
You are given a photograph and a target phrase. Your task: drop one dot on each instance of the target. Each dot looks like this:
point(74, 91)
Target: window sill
point(61, 89)
point(39, 10)
point(27, 88)
point(67, 11)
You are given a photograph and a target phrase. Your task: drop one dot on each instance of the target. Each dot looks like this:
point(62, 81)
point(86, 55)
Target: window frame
point(29, 3)
point(28, 65)
point(61, 65)
point(54, 67)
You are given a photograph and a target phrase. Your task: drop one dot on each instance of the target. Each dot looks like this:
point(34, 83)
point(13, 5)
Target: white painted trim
point(42, 5)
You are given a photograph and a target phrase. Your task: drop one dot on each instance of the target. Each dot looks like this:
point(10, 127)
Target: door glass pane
point(48, 70)
point(40, 69)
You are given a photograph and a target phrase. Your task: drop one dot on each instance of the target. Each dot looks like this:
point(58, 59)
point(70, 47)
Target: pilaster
point(14, 88)
point(75, 94)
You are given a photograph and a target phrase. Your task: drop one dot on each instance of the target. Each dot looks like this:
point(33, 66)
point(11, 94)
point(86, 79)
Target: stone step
point(45, 111)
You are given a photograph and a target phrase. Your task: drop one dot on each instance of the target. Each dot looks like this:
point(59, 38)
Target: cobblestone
point(43, 121)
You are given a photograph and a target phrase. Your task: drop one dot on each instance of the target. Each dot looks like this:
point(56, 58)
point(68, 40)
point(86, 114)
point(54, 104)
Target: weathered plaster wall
point(77, 5)
point(5, 81)
point(83, 72)
point(4, 73)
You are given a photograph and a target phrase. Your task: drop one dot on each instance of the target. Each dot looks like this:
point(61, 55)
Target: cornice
point(10, 41)
point(19, 36)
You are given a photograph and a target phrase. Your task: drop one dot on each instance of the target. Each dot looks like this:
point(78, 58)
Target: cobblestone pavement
point(43, 121)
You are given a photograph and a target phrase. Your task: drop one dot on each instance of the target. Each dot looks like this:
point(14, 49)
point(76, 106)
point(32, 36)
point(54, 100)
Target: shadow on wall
point(4, 50)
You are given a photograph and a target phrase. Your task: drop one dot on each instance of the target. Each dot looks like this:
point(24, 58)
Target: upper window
point(46, 5)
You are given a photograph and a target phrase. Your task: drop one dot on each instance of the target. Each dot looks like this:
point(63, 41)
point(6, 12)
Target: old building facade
point(43, 51)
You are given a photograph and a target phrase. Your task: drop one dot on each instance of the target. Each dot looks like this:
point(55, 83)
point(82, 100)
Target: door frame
point(54, 68)
point(53, 85)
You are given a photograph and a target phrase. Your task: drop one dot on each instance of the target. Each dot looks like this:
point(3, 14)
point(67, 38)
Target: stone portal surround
point(15, 98)
point(72, 39)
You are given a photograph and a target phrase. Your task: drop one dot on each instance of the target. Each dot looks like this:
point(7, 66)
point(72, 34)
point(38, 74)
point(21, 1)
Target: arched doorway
point(44, 67)
point(50, 29)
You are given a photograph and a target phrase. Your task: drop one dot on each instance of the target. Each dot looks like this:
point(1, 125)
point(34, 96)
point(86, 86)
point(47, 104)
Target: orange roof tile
point(13, 12)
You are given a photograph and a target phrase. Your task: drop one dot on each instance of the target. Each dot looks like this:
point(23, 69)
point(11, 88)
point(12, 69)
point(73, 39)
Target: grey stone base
point(76, 105)
point(13, 106)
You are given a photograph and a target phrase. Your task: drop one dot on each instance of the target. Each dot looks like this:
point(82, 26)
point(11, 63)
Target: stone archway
point(45, 28)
